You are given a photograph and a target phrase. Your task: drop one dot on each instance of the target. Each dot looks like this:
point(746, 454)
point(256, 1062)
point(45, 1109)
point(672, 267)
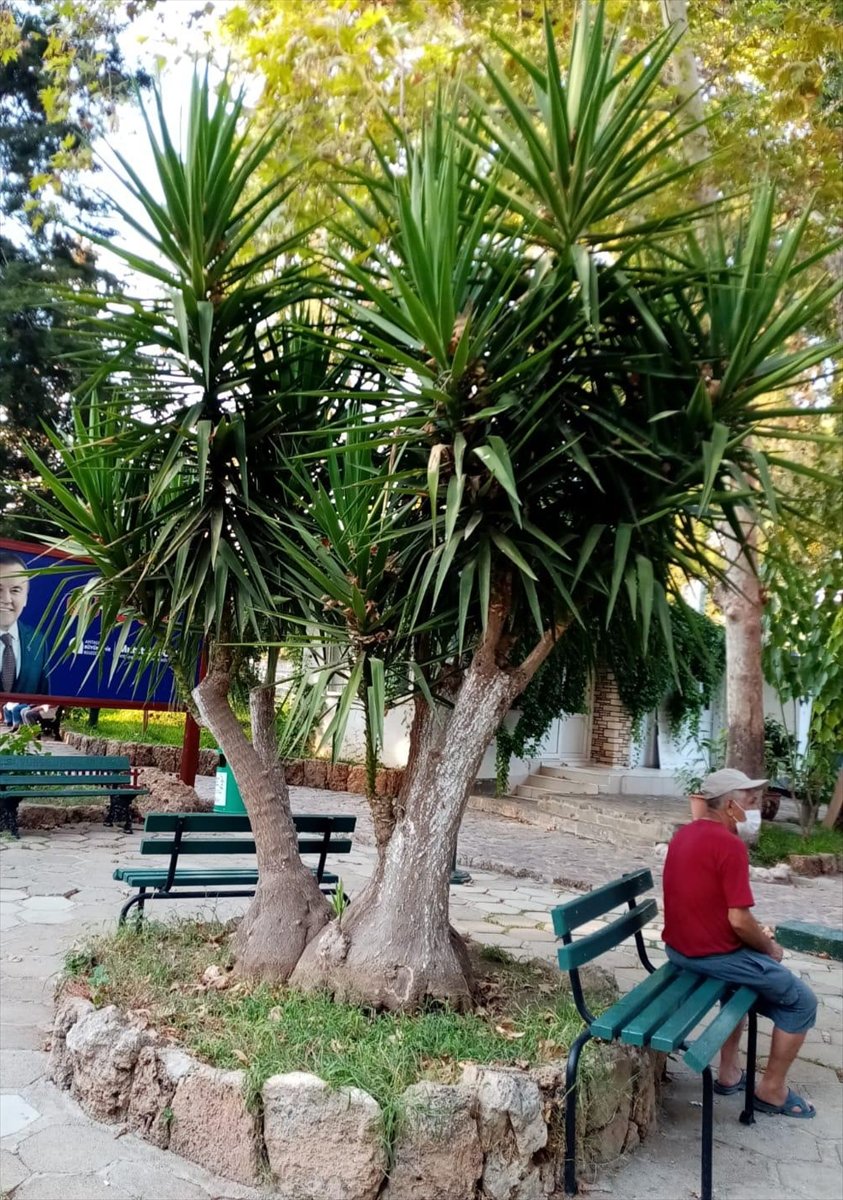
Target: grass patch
point(179, 974)
point(126, 725)
point(775, 844)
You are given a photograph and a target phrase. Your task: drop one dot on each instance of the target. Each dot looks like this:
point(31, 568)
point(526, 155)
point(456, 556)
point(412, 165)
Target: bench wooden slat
point(93, 790)
point(673, 1033)
point(640, 1029)
point(237, 846)
point(609, 1024)
point(592, 945)
point(240, 823)
point(703, 1049)
point(224, 877)
point(59, 779)
point(568, 917)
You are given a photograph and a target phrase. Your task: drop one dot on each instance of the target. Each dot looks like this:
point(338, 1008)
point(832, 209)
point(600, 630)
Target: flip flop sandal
point(804, 1110)
point(720, 1089)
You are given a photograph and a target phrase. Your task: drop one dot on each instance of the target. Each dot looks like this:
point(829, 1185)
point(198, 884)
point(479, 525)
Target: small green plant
point(339, 900)
point(79, 962)
point(166, 1117)
point(711, 756)
point(98, 981)
point(20, 741)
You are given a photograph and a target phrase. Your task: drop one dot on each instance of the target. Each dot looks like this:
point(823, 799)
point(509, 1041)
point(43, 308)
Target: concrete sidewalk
point(55, 887)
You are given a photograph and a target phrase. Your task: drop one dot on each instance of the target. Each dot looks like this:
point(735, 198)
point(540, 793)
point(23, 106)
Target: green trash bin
point(227, 798)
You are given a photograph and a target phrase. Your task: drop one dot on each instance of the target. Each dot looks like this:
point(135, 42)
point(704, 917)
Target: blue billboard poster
point(37, 662)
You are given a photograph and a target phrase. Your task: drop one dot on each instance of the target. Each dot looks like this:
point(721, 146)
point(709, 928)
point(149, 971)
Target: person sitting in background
point(34, 714)
point(709, 929)
point(14, 714)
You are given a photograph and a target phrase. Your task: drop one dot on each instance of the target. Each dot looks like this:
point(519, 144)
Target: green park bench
point(661, 1012)
point(319, 836)
point(46, 778)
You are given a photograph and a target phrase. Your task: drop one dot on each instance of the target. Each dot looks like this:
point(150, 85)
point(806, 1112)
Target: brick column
point(611, 724)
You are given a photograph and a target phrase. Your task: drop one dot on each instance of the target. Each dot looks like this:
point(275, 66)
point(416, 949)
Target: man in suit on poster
point(23, 652)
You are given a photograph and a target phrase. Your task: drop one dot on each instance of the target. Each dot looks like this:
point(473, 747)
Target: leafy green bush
point(775, 843)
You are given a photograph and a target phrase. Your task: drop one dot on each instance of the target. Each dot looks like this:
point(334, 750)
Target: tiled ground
point(56, 886)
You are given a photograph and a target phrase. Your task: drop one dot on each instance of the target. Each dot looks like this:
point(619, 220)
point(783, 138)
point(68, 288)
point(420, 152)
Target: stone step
point(581, 821)
point(567, 787)
point(639, 827)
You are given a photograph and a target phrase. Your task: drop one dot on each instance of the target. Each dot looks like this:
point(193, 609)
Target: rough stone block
point(438, 1154)
point(294, 772)
point(337, 776)
point(322, 1142)
point(102, 1050)
point(212, 1126)
point(357, 780)
point(70, 1010)
point(315, 773)
point(157, 1075)
point(512, 1132)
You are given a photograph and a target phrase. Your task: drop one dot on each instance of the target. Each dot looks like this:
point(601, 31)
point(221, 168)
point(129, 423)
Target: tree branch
point(522, 674)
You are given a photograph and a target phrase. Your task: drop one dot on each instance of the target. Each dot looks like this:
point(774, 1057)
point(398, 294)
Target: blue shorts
point(783, 997)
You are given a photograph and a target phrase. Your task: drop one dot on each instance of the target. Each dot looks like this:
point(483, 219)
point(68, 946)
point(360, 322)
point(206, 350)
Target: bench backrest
point(567, 918)
point(53, 770)
point(46, 764)
point(319, 835)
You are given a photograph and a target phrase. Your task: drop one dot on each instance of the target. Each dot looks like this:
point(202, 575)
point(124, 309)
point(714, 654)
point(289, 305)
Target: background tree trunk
point(288, 908)
point(741, 601)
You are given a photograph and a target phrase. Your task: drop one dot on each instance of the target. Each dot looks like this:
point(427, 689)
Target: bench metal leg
point(140, 900)
point(120, 810)
point(9, 817)
point(707, 1135)
point(570, 1181)
point(748, 1114)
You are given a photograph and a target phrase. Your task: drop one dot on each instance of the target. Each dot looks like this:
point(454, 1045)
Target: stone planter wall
point(495, 1135)
point(301, 772)
point(816, 864)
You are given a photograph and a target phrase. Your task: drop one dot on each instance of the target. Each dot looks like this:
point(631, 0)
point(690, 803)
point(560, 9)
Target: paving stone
point(811, 1179)
point(15, 1114)
point(18, 1068)
point(46, 904)
point(78, 1148)
point(146, 1179)
point(8, 920)
point(11, 894)
point(12, 1171)
point(70, 1187)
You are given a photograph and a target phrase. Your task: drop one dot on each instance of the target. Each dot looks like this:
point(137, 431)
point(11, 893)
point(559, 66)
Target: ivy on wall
point(646, 678)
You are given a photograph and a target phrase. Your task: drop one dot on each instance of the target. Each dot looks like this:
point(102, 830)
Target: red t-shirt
point(705, 874)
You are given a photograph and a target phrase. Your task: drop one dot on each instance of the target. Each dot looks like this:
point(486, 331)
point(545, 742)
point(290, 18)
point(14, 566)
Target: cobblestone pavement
point(56, 886)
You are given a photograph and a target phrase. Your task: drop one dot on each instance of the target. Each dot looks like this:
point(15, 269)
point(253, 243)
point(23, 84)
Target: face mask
point(751, 824)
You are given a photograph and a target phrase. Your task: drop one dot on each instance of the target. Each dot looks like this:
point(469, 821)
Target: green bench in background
point(661, 1012)
point(51, 777)
point(204, 834)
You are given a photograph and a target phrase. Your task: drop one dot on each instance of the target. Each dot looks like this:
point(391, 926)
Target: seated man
point(709, 928)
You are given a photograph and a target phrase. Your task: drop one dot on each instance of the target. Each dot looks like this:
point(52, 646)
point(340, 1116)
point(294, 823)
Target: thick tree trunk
point(394, 947)
point(288, 909)
point(741, 601)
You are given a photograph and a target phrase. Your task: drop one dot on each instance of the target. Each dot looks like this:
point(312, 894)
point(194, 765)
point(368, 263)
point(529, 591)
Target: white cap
point(727, 780)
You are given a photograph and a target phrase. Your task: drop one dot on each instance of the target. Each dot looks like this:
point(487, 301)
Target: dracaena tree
point(585, 397)
point(203, 377)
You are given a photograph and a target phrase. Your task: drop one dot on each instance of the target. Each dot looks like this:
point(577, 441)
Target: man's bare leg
point(729, 1071)
point(784, 1047)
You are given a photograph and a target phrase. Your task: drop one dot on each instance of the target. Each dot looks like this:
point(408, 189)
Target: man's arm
point(751, 933)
